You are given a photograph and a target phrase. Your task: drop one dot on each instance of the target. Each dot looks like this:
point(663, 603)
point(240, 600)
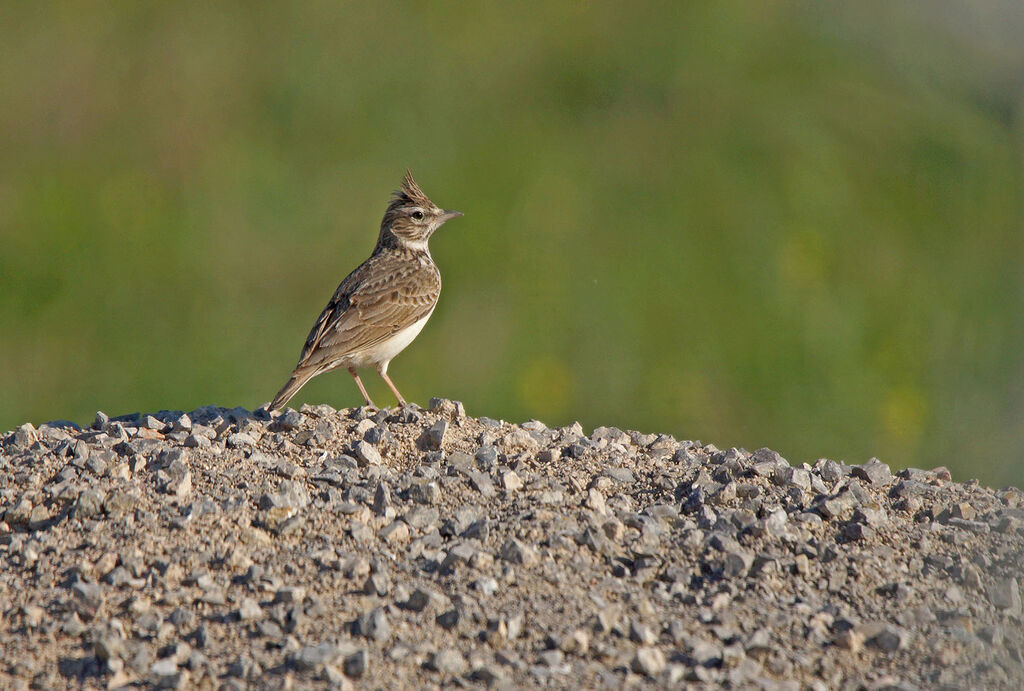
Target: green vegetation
point(769, 224)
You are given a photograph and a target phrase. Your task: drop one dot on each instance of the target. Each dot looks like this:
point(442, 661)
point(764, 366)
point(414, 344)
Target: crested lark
point(381, 306)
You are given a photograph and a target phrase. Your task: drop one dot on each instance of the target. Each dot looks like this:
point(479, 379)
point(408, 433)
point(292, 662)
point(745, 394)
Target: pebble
point(373, 625)
point(87, 598)
point(165, 674)
point(433, 436)
point(448, 661)
point(396, 532)
point(874, 472)
point(176, 478)
point(518, 552)
point(510, 481)
point(425, 492)
point(366, 454)
point(250, 610)
point(357, 664)
point(419, 600)
point(885, 636)
point(649, 662)
point(1004, 594)
point(312, 656)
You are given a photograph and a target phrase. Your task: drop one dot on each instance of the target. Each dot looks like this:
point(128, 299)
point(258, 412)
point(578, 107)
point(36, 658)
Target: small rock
point(419, 600)
point(240, 440)
point(425, 492)
point(87, 599)
point(357, 664)
point(649, 662)
point(576, 642)
point(290, 495)
point(290, 595)
point(623, 476)
point(397, 532)
point(595, 501)
point(366, 454)
point(373, 625)
point(1004, 594)
point(839, 506)
point(290, 420)
point(176, 478)
point(250, 610)
point(448, 661)
point(885, 636)
point(313, 656)
point(788, 476)
point(874, 472)
point(164, 674)
point(519, 552)
point(642, 633)
point(433, 437)
point(850, 640)
point(481, 483)
point(382, 500)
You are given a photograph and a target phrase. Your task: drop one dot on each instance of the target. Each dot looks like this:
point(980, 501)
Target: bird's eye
point(418, 215)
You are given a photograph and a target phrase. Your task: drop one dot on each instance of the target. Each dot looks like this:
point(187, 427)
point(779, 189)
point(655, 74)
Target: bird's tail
point(297, 381)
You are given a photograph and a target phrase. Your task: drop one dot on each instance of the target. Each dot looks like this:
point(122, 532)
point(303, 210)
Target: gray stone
point(382, 500)
point(419, 600)
point(448, 661)
point(165, 674)
point(510, 481)
point(313, 656)
point(250, 610)
point(290, 495)
point(197, 441)
point(449, 619)
point(647, 661)
point(736, 562)
point(87, 599)
point(623, 476)
point(290, 420)
point(482, 483)
point(240, 440)
point(357, 664)
point(642, 633)
point(373, 625)
point(433, 437)
point(423, 492)
point(886, 636)
point(518, 552)
point(840, 506)
point(486, 457)
point(176, 478)
point(787, 476)
point(1004, 594)
point(422, 517)
point(366, 454)
point(978, 527)
point(874, 472)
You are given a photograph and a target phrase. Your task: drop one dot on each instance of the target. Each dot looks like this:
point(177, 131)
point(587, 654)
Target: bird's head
point(411, 218)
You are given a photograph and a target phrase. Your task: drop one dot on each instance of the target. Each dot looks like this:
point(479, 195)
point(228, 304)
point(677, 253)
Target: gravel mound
point(414, 548)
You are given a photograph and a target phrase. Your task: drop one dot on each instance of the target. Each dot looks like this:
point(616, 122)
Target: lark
point(381, 306)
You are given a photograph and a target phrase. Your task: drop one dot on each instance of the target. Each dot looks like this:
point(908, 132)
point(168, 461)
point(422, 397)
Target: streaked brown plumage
point(381, 306)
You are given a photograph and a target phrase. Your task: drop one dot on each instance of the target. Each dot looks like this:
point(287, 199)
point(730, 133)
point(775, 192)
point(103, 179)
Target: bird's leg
point(383, 370)
point(362, 389)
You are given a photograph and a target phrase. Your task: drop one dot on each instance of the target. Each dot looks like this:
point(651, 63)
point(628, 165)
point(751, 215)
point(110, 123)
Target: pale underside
point(380, 354)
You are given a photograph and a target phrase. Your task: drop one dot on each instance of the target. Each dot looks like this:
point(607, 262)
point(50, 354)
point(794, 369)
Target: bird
point(383, 304)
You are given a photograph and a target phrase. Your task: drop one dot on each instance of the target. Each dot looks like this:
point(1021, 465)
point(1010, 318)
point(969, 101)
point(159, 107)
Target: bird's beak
point(449, 215)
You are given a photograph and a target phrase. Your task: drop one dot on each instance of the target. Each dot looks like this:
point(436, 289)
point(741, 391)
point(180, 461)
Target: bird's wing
point(368, 307)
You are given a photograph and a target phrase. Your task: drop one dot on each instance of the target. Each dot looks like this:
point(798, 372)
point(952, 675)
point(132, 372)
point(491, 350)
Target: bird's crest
point(409, 194)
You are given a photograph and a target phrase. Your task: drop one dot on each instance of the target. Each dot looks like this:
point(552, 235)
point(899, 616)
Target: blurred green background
point(795, 225)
